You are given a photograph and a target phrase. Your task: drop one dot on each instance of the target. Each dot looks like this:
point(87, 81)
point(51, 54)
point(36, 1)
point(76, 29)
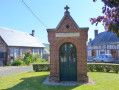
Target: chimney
point(95, 32)
point(90, 39)
point(33, 33)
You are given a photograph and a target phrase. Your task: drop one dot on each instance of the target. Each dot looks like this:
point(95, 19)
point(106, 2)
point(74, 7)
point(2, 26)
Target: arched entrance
point(68, 62)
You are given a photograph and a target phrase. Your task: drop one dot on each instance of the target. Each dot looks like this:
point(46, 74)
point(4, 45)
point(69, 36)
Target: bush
point(91, 67)
point(17, 62)
point(27, 61)
point(108, 68)
point(35, 57)
point(116, 68)
point(9, 64)
point(101, 67)
point(41, 67)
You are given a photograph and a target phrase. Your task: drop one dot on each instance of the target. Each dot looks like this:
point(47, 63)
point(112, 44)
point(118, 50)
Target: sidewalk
point(9, 70)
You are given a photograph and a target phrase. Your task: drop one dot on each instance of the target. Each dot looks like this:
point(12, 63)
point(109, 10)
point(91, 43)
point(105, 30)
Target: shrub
point(35, 58)
point(27, 61)
point(108, 68)
point(95, 67)
point(9, 64)
point(41, 67)
point(17, 63)
point(90, 67)
point(101, 67)
point(116, 68)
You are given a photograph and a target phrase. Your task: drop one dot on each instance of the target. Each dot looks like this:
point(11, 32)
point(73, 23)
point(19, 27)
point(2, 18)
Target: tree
point(111, 16)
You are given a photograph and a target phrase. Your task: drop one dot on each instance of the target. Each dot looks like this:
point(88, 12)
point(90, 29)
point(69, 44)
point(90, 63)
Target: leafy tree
point(111, 16)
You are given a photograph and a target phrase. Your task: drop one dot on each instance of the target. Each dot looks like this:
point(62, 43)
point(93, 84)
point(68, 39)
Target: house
point(103, 43)
point(13, 42)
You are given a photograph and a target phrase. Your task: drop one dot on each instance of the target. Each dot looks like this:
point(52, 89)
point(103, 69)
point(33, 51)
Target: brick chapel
point(68, 51)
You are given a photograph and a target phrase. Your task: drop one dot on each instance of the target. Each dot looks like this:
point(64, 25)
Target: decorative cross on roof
point(66, 8)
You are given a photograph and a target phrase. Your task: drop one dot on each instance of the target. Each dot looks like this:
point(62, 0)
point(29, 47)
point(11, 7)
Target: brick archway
point(57, 46)
point(71, 40)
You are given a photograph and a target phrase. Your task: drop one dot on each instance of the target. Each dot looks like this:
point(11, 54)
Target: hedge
point(41, 67)
point(103, 67)
point(99, 67)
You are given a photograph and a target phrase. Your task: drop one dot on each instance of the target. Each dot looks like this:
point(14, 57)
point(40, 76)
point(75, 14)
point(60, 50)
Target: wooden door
point(68, 62)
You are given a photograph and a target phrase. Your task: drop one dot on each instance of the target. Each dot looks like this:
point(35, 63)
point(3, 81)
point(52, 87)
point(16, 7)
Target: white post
point(105, 51)
point(99, 52)
point(118, 54)
point(96, 52)
point(108, 52)
point(91, 53)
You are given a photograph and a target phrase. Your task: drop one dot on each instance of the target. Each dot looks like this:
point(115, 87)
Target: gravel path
point(68, 83)
point(9, 70)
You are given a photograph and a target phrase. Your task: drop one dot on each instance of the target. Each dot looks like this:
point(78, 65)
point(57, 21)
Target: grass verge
point(33, 81)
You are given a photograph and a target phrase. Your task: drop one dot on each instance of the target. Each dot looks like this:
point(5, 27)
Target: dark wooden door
point(68, 62)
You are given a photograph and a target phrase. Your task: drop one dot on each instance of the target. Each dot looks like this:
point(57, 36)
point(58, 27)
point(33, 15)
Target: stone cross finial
point(66, 8)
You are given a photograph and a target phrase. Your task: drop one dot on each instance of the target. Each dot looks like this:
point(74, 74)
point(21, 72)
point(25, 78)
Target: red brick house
point(13, 42)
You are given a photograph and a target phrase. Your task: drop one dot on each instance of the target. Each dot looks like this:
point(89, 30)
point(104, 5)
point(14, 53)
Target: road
point(9, 70)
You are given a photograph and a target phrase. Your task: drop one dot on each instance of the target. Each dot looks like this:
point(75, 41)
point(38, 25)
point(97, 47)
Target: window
point(100, 56)
point(103, 56)
point(36, 51)
point(2, 55)
point(67, 26)
point(108, 56)
point(93, 53)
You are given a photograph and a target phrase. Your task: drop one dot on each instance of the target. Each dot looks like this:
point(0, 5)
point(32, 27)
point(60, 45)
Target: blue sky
point(14, 15)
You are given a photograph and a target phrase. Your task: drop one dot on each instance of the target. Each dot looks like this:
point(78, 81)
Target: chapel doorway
point(68, 62)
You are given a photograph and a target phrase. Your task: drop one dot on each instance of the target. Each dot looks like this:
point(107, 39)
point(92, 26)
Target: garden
point(27, 58)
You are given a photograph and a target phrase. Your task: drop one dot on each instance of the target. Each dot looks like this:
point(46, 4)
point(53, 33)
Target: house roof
point(18, 38)
point(104, 38)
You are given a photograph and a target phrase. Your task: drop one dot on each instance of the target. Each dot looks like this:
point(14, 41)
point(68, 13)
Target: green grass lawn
point(33, 81)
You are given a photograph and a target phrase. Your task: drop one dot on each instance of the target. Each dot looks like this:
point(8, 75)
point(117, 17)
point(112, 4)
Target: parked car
point(107, 58)
point(89, 59)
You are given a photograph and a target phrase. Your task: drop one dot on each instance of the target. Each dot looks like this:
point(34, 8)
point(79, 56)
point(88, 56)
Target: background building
point(46, 55)
point(12, 43)
point(103, 43)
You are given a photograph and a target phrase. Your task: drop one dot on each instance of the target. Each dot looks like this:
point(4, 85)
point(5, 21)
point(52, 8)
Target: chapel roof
point(17, 38)
point(67, 14)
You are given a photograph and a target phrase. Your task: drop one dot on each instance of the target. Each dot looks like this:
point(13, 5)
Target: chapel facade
point(68, 51)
